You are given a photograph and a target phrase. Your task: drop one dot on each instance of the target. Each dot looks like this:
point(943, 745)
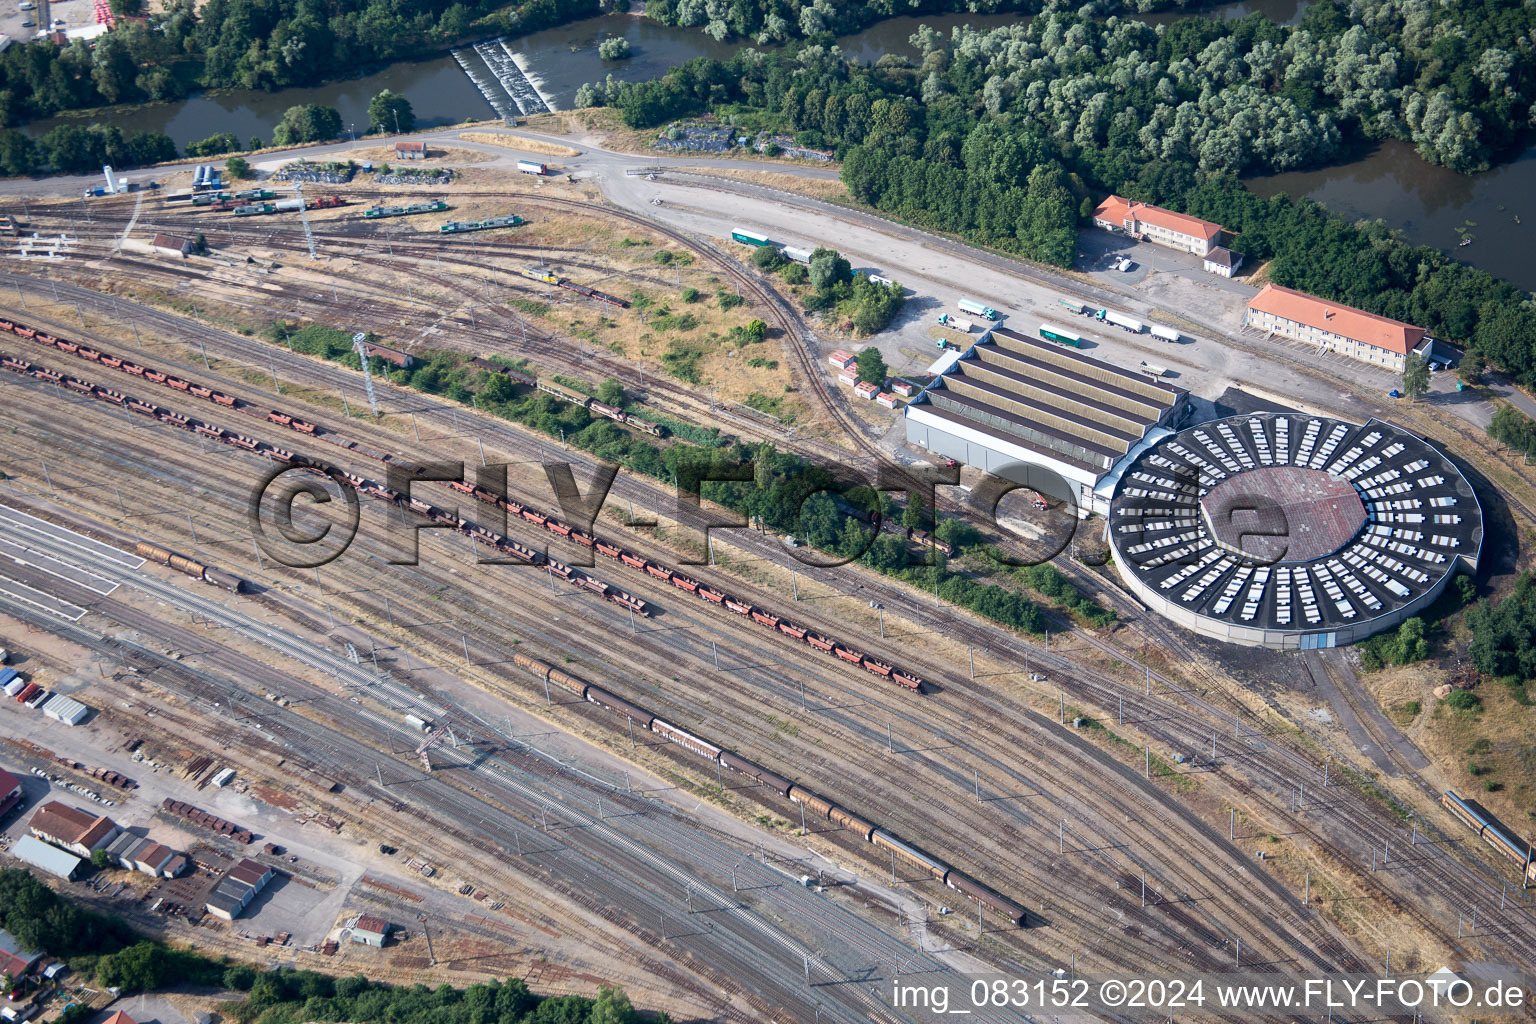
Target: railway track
point(1087, 908)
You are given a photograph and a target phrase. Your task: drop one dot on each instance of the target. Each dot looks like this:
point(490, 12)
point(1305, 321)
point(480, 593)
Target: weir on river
point(503, 82)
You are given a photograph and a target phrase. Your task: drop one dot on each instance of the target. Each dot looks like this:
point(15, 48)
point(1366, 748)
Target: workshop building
point(48, 858)
point(1042, 415)
point(73, 829)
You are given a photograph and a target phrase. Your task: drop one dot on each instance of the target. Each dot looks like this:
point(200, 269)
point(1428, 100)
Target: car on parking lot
point(28, 5)
point(29, 23)
point(1127, 265)
point(59, 22)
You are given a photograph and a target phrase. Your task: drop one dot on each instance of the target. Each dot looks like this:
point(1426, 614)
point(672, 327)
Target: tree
point(18, 154)
point(829, 268)
point(611, 392)
point(389, 112)
point(100, 860)
point(308, 123)
point(612, 1006)
point(214, 145)
point(1472, 367)
point(872, 369)
point(238, 167)
point(498, 388)
point(1415, 375)
point(614, 48)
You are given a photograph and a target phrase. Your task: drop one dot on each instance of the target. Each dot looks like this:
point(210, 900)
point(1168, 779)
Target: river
point(1426, 204)
point(1431, 205)
point(558, 60)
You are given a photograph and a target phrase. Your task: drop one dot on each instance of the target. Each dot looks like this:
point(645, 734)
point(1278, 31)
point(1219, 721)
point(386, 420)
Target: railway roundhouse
point(1292, 531)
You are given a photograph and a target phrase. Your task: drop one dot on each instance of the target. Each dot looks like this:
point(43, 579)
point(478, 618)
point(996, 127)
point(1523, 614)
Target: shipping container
point(796, 255)
point(977, 309)
point(750, 238)
point(417, 723)
point(1060, 335)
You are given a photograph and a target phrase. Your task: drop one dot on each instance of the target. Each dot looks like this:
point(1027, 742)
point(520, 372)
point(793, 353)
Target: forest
point(1009, 137)
point(248, 44)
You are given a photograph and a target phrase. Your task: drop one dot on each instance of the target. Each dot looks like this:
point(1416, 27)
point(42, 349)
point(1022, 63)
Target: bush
point(214, 145)
point(795, 273)
point(613, 48)
point(690, 295)
point(767, 258)
point(1463, 700)
point(729, 300)
point(237, 167)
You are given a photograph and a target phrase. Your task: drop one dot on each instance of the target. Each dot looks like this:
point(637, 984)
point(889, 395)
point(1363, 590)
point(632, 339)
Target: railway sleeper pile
point(762, 616)
point(822, 808)
point(212, 822)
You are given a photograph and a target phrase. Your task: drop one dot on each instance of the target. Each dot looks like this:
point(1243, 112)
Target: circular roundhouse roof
point(1280, 524)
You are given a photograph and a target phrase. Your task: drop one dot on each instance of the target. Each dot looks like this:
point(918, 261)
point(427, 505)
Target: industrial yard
point(501, 729)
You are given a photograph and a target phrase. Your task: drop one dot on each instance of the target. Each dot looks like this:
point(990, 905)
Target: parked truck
point(1128, 323)
point(1167, 334)
point(955, 323)
point(977, 309)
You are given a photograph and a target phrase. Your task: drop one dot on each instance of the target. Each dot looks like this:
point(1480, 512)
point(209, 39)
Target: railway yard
point(590, 744)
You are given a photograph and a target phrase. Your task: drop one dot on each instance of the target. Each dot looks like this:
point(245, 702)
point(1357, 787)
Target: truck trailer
point(1165, 333)
point(977, 309)
point(1121, 320)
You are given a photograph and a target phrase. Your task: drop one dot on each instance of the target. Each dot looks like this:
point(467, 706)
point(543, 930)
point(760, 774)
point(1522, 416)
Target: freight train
point(813, 803)
point(505, 545)
point(197, 570)
point(763, 617)
point(435, 206)
point(288, 206)
point(591, 404)
point(548, 276)
point(1481, 822)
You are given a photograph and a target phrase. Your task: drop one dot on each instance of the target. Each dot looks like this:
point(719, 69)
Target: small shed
point(370, 930)
point(170, 245)
point(886, 399)
point(904, 388)
point(841, 360)
point(411, 150)
point(849, 377)
point(66, 709)
point(866, 390)
point(1222, 261)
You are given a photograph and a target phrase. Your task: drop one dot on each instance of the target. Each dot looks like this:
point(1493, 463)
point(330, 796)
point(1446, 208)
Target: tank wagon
point(197, 570)
point(815, 806)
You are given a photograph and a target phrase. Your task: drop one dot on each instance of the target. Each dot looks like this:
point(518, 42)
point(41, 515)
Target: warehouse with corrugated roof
point(1042, 415)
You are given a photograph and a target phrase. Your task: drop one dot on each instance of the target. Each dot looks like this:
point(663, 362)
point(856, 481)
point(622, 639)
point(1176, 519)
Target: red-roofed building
point(71, 828)
point(10, 792)
point(1330, 325)
point(1145, 222)
point(119, 1017)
